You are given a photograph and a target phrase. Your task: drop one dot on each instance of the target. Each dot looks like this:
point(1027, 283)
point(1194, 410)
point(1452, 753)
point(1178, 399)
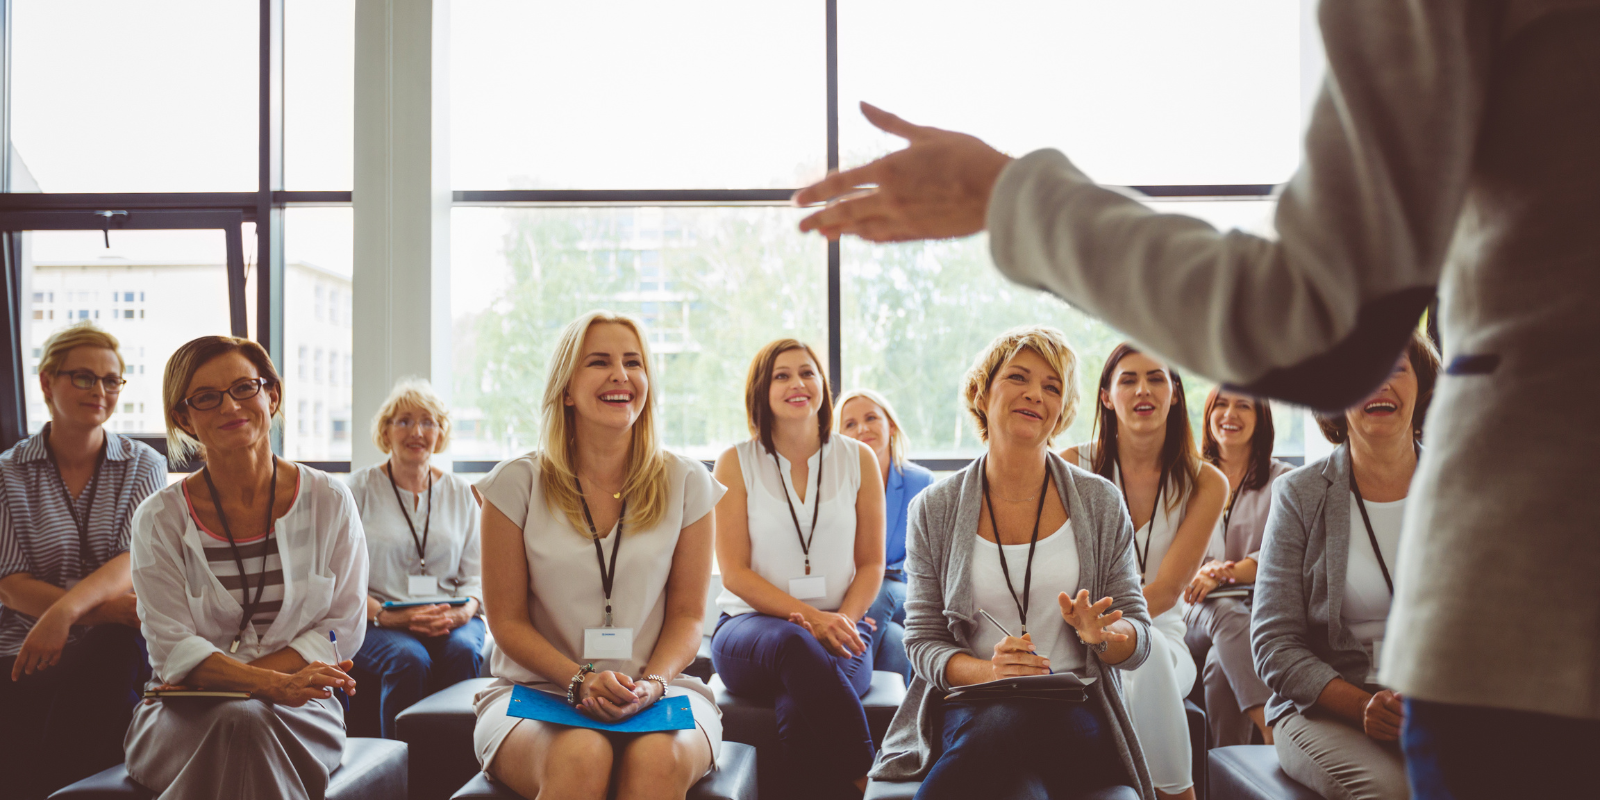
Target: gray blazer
point(941, 615)
point(1297, 633)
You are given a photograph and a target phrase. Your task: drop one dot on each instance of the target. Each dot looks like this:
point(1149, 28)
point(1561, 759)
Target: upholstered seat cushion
point(371, 769)
point(439, 730)
point(905, 790)
point(1251, 772)
point(733, 779)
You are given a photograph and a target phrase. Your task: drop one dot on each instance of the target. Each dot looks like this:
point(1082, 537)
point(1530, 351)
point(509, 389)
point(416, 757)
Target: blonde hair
point(897, 436)
point(64, 341)
point(646, 487)
point(1050, 344)
point(413, 392)
point(181, 368)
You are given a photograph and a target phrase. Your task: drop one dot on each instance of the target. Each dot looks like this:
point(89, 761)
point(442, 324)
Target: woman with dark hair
point(1324, 589)
point(252, 577)
point(1238, 440)
point(1144, 446)
point(800, 543)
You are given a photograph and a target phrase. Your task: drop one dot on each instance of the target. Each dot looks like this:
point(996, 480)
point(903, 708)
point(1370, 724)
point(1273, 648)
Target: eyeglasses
point(84, 379)
point(405, 423)
point(243, 390)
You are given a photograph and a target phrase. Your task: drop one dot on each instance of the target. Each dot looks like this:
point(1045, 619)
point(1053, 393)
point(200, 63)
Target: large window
point(654, 114)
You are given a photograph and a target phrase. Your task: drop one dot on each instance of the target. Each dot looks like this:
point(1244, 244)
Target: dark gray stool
point(754, 721)
point(439, 730)
point(905, 790)
point(1199, 743)
point(371, 769)
point(733, 779)
point(1251, 772)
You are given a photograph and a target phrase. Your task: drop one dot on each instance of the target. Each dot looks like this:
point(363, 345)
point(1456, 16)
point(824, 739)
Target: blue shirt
point(903, 485)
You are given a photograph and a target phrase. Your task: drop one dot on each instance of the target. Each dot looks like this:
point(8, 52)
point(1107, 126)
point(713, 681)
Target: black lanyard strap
point(85, 556)
point(805, 542)
point(427, 521)
point(607, 577)
point(249, 604)
point(1372, 535)
point(1033, 543)
point(1144, 556)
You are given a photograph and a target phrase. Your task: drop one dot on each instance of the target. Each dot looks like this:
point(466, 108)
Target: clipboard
point(443, 601)
point(1062, 686)
point(667, 714)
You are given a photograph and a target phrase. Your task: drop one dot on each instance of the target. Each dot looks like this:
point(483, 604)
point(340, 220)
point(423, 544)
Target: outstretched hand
point(1090, 619)
point(938, 187)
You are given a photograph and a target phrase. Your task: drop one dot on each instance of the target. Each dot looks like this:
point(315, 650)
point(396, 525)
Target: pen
point(996, 623)
point(333, 639)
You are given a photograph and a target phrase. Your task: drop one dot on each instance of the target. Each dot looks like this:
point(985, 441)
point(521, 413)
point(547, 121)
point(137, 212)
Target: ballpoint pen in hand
point(996, 623)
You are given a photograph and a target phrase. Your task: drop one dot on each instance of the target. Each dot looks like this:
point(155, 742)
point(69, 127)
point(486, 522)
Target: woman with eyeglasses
point(71, 660)
point(422, 543)
point(1143, 444)
point(252, 577)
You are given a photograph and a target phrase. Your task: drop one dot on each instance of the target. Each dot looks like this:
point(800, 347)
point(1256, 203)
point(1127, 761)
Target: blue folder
point(667, 714)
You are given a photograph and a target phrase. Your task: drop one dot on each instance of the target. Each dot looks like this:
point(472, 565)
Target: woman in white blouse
point(1143, 444)
point(422, 540)
point(800, 543)
point(251, 576)
point(599, 530)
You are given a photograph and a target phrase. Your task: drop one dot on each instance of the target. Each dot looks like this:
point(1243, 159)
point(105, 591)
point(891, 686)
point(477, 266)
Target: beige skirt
point(494, 724)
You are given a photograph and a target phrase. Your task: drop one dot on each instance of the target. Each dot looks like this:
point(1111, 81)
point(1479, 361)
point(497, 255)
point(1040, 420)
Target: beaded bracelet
point(577, 681)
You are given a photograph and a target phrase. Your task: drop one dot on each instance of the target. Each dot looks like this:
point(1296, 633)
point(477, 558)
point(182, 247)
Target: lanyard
point(1027, 575)
point(1371, 535)
point(1154, 507)
point(244, 578)
point(607, 577)
point(82, 524)
point(427, 523)
point(805, 543)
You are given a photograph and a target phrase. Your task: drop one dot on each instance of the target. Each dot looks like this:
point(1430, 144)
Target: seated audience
point(1144, 446)
point(1324, 587)
point(71, 660)
point(867, 417)
point(1020, 539)
point(1238, 441)
point(800, 543)
point(600, 529)
point(422, 543)
point(252, 577)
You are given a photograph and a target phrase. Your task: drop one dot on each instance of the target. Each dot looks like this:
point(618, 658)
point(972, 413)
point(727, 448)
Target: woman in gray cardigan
point(1324, 587)
point(1029, 540)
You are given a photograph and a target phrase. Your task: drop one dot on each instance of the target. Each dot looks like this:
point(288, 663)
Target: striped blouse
point(219, 559)
point(37, 533)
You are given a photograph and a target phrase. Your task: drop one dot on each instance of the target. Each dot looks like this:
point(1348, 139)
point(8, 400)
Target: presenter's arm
point(1182, 560)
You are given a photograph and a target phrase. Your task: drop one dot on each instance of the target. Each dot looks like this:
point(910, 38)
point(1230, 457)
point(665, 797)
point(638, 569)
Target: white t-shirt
point(564, 590)
point(454, 549)
point(775, 552)
point(1366, 596)
point(1055, 570)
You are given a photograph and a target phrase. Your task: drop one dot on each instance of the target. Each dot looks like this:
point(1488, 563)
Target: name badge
point(422, 585)
point(809, 587)
point(607, 643)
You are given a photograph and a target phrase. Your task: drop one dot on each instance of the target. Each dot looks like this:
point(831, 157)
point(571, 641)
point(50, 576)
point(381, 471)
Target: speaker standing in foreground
point(247, 571)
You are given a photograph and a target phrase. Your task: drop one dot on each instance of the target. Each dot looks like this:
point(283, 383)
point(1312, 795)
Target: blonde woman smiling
point(599, 528)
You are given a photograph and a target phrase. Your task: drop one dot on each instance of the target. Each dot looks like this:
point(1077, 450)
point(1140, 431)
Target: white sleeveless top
point(775, 552)
point(1158, 534)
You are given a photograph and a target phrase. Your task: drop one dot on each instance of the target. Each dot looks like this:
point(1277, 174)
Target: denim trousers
point(822, 727)
point(410, 667)
point(889, 645)
point(1023, 748)
point(66, 723)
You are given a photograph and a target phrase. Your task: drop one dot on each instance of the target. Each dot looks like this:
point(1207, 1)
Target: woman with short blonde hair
point(70, 662)
point(599, 530)
point(251, 575)
point(425, 589)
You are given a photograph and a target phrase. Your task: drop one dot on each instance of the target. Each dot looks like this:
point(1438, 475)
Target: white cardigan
point(187, 615)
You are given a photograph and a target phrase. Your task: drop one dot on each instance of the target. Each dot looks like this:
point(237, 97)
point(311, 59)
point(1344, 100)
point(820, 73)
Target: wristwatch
point(1098, 649)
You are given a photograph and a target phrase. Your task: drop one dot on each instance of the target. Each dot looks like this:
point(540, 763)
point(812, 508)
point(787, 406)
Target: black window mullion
point(835, 324)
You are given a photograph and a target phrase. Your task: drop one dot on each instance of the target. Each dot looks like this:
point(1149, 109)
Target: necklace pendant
point(616, 496)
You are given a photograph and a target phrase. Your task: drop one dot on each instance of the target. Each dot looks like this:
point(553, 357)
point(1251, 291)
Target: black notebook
point(1065, 687)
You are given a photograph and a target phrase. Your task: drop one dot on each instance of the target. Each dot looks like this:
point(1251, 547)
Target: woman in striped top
point(252, 577)
point(70, 656)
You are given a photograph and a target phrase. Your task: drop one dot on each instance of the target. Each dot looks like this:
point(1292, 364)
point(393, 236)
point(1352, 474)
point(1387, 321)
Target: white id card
point(809, 587)
point(601, 643)
point(422, 585)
